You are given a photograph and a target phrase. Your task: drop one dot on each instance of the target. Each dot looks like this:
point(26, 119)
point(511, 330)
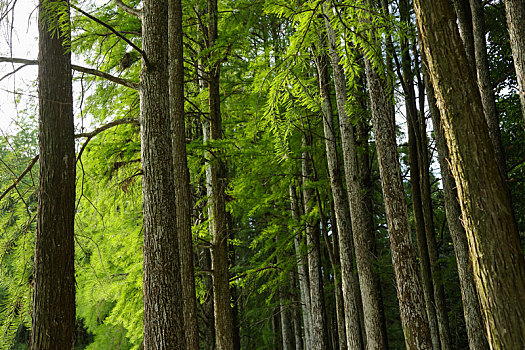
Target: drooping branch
point(129, 42)
point(128, 9)
point(89, 135)
point(95, 72)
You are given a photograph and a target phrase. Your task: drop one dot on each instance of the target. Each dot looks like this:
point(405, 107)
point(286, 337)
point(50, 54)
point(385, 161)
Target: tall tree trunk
point(515, 10)
point(302, 271)
point(471, 308)
point(349, 280)
point(485, 85)
point(163, 326)
point(181, 174)
point(296, 314)
point(495, 250)
point(319, 332)
point(219, 253)
point(414, 151)
point(363, 234)
point(286, 320)
point(54, 275)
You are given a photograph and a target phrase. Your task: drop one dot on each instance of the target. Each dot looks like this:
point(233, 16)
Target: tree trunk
point(485, 85)
point(495, 250)
point(302, 271)
point(286, 321)
point(349, 280)
point(163, 326)
point(411, 304)
point(296, 313)
point(319, 333)
point(515, 10)
point(462, 8)
point(181, 174)
point(471, 309)
point(54, 274)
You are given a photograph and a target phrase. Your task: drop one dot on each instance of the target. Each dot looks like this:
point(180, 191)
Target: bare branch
point(108, 126)
point(128, 9)
point(15, 183)
point(95, 72)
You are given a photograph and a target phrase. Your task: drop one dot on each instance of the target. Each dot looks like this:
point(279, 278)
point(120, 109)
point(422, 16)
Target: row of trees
point(276, 208)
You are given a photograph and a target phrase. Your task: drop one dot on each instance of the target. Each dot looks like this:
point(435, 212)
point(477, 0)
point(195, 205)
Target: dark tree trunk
point(163, 326)
point(495, 250)
point(219, 253)
point(462, 8)
point(182, 175)
point(516, 25)
point(54, 274)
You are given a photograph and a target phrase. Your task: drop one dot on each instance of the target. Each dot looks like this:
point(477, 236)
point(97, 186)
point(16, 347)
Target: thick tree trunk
point(319, 332)
point(349, 280)
point(54, 274)
point(302, 271)
point(364, 239)
point(181, 174)
point(516, 25)
point(411, 304)
point(471, 308)
point(495, 250)
point(488, 98)
point(163, 326)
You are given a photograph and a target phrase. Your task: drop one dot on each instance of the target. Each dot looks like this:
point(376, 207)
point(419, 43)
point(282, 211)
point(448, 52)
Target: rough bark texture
point(319, 333)
point(411, 304)
point(219, 254)
point(471, 307)
point(515, 10)
point(181, 174)
point(163, 326)
point(495, 250)
point(286, 321)
point(363, 234)
point(54, 275)
point(485, 85)
point(302, 271)
point(349, 280)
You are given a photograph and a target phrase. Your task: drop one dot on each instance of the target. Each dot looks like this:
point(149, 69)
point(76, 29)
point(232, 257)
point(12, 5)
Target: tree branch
point(96, 72)
point(129, 42)
point(128, 9)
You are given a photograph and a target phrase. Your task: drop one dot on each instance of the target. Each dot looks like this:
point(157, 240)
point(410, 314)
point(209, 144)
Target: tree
point(54, 275)
point(495, 249)
point(163, 326)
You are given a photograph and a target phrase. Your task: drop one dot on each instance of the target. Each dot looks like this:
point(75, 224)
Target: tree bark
point(219, 254)
point(495, 250)
point(54, 274)
point(471, 308)
point(163, 326)
point(181, 174)
point(319, 332)
point(515, 10)
point(302, 271)
point(411, 304)
point(349, 280)
point(462, 8)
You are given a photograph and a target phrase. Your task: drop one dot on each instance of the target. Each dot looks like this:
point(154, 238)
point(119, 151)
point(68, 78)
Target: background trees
point(287, 115)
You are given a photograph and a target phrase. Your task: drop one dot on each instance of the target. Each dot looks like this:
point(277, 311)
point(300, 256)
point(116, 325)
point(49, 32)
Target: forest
point(266, 174)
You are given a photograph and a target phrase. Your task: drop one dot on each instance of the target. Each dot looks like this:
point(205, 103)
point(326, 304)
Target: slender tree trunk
point(302, 271)
point(319, 333)
point(471, 308)
point(296, 313)
point(181, 174)
point(495, 250)
point(286, 321)
point(411, 303)
point(163, 326)
point(349, 280)
point(462, 8)
point(488, 98)
point(54, 275)
point(516, 25)
point(219, 253)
